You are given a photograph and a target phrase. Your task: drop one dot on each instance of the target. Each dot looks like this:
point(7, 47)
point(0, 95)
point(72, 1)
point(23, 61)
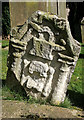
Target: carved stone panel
point(42, 56)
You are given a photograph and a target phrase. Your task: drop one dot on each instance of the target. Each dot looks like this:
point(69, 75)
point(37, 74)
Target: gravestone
point(20, 11)
point(82, 30)
point(42, 57)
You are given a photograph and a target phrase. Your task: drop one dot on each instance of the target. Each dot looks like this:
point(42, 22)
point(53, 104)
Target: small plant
point(66, 103)
point(32, 100)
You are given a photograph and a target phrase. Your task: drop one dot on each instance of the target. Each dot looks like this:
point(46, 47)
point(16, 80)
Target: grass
point(77, 77)
point(82, 50)
point(8, 94)
point(4, 63)
point(32, 100)
point(76, 85)
point(66, 104)
point(5, 43)
point(75, 88)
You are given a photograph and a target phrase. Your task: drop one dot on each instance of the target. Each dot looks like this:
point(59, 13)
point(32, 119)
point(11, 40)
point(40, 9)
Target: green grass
point(82, 50)
point(32, 100)
point(4, 63)
point(81, 43)
point(77, 77)
point(5, 43)
point(75, 89)
point(76, 83)
point(8, 94)
point(66, 103)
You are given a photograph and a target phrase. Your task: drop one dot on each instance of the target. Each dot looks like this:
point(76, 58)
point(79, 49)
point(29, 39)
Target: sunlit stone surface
point(42, 56)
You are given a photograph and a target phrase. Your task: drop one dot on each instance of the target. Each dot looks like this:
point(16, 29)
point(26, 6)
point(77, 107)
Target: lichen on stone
point(42, 56)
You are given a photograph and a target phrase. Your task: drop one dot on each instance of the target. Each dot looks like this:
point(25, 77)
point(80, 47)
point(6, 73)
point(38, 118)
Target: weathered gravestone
point(42, 56)
point(82, 30)
point(20, 11)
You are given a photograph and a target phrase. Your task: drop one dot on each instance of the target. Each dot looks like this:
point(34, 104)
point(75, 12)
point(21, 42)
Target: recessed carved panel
point(44, 55)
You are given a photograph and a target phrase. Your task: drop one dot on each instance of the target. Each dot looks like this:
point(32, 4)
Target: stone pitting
point(42, 56)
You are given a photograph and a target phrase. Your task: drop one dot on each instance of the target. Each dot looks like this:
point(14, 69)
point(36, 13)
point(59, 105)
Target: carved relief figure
point(44, 56)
